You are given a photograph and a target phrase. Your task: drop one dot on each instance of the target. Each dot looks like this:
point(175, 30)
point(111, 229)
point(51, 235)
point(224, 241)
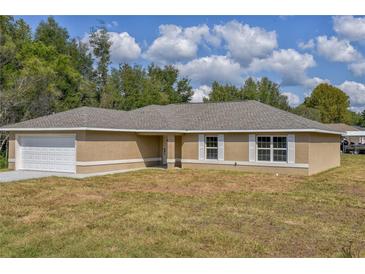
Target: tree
point(354, 118)
point(264, 91)
point(112, 97)
point(307, 112)
point(249, 90)
point(331, 102)
point(43, 75)
point(131, 87)
point(269, 93)
point(100, 43)
point(363, 118)
point(172, 88)
point(51, 34)
point(184, 91)
point(223, 93)
point(13, 36)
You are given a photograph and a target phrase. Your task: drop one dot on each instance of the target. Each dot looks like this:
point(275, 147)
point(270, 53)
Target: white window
point(211, 147)
point(272, 148)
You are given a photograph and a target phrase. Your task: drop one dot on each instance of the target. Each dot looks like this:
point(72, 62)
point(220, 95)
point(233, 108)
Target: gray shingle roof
point(243, 115)
point(343, 127)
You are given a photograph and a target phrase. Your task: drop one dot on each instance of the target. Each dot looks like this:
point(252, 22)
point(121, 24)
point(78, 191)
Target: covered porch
point(170, 147)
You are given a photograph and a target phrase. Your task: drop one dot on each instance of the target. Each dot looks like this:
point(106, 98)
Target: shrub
point(3, 161)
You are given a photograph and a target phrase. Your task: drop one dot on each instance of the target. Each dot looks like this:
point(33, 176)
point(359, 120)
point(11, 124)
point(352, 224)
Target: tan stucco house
point(245, 135)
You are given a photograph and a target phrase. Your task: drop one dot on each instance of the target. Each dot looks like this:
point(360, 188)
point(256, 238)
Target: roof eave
point(174, 130)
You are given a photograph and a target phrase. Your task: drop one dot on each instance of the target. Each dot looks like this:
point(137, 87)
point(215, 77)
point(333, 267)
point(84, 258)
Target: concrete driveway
point(18, 175)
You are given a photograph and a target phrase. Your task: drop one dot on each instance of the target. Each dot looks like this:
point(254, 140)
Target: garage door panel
point(48, 153)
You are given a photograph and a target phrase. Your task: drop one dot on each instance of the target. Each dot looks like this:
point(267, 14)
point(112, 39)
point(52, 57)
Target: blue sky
point(297, 52)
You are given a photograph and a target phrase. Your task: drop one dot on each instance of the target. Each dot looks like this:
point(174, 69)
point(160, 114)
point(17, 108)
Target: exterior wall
point(319, 151)
point(190, 146)
point(262, 169)
point(113, 146)
point(114, 167)
point(171, 157)
point(178, 150)
point(104, 146)
point(302, 148)
point(324, 152)
point(11, 151)
point(236, 147)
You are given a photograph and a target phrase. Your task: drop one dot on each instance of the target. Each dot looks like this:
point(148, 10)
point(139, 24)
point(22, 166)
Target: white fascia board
point(354, 133)
point(173, 130)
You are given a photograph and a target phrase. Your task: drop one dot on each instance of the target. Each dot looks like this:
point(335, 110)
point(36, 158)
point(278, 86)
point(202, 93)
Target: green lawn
point(187, 213)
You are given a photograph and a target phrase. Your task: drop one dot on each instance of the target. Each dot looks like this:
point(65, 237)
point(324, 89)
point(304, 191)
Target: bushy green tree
point(307, 112)
point(43, 75)
point(100, 43)
point(264, 91)
point(269, 93)
point(223, 93)
point(131, 87)
point(331, 102)
point(249, 90)
point(50, 33)
point(362, 121)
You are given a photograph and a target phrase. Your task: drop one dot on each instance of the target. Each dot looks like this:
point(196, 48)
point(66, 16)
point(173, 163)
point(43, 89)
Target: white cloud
point(356, 92)
point(336, 50)
point(205, 70)
point(288, 63)
point(350, 27)
point(308, 45)
point(177, 44)
point(315, 81)
point(200, 93)
point(358, 68)
point(124, 47)
point(244, 42)
point(293, 99)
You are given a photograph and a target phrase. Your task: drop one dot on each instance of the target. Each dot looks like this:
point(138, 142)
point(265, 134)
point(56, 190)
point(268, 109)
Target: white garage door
point(47, 153)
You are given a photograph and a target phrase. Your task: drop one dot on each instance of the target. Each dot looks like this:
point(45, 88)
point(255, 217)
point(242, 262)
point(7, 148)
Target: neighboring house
point(245, 135)
point(353, 134)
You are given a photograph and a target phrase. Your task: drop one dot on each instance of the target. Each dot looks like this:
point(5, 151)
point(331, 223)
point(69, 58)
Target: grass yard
point(187, 213)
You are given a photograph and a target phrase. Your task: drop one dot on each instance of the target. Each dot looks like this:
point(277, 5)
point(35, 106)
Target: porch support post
point(171, 151)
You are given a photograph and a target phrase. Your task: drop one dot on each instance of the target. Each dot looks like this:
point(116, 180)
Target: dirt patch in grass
point(187, 213)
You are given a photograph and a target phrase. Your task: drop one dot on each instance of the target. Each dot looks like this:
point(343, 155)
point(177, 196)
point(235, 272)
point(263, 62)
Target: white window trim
point(206, 147)
point(271, 149)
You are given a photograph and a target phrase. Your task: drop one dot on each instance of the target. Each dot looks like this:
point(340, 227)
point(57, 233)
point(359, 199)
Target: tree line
point(326, 104)
point(48, 71)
